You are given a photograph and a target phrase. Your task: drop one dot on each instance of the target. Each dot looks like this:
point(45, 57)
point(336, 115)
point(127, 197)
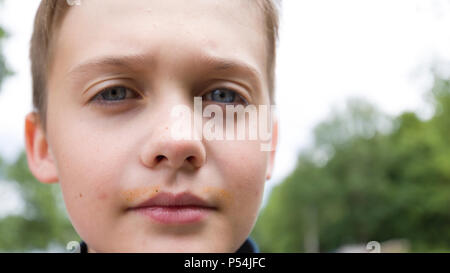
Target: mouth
point(169, 208)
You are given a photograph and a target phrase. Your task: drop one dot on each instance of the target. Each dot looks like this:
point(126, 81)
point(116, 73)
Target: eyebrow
point(127, 61)
point(131, 62)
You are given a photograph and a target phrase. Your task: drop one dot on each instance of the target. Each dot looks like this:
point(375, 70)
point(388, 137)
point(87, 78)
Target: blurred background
point(363, 99)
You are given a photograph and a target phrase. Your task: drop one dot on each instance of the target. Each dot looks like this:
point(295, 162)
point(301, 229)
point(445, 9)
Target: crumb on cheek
point(137, 194)
point(225, 195)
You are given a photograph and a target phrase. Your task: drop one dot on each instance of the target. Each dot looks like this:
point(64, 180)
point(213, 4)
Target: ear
point(40, 158)
point(274, 148)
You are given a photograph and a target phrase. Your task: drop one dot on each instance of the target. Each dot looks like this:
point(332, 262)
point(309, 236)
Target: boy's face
point(112, 150)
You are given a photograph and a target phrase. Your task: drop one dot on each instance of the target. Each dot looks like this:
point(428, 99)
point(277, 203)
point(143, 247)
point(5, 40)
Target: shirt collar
point(249, 246)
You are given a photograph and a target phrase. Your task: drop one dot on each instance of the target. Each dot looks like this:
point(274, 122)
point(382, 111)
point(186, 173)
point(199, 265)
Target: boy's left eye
point(226, 96)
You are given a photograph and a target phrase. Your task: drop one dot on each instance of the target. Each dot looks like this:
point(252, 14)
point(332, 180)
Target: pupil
point(116, 93)
point(223, 95)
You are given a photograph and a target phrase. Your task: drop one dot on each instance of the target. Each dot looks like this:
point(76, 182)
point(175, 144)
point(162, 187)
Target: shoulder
point(249, 246)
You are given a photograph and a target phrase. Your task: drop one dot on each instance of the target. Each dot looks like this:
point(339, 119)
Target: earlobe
point(40, 159)
point(273, 150)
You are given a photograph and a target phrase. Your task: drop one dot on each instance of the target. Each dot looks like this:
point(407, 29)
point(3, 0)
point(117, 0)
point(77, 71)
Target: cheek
point(88, 168)
point(243, 167)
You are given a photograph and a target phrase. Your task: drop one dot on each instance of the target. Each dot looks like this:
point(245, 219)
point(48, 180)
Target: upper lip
point(166, 199)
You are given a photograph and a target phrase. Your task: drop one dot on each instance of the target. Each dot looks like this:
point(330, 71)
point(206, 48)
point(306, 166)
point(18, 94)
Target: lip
point(169, 208)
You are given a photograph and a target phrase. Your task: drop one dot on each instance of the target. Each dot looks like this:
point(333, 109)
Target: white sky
point(329, 51)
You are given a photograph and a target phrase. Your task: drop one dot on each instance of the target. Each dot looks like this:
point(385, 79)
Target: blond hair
point(50, 15)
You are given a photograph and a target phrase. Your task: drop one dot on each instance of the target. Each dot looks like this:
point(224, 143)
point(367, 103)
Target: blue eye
point(222, 95)
point(115, 94)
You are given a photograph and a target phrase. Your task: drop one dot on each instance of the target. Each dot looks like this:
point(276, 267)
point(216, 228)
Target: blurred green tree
point(44, 223)
point(368, 177)
point(4, 71)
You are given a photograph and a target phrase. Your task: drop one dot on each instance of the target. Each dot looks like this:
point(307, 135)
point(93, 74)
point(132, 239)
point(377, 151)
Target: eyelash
point(97, 98)
point(235, 94)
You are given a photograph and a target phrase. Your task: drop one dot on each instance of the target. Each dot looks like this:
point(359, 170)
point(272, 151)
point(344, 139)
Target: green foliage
point(44, 222)
point(373, 183)
point(4, 70)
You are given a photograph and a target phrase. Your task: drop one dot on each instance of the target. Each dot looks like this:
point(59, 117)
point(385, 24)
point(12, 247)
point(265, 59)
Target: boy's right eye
point(114, 95)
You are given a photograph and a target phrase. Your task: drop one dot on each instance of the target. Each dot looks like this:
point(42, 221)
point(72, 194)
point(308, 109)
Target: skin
point(105, 157)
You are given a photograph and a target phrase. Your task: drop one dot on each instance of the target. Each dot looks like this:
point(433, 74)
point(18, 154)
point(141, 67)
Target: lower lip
point(175, 215)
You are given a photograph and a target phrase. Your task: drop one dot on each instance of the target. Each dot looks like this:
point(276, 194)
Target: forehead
point(227, 30)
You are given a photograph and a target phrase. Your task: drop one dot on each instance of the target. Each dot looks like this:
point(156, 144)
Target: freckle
point(81, 195)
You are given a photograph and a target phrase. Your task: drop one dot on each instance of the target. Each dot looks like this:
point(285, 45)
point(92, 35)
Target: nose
point(175, 154)
point(164, 150)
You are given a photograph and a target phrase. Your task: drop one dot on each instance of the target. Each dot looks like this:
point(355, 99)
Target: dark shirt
point(249, 246)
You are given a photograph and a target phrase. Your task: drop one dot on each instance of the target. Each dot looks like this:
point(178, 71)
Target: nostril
point(159, 158)
point(190, 158)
